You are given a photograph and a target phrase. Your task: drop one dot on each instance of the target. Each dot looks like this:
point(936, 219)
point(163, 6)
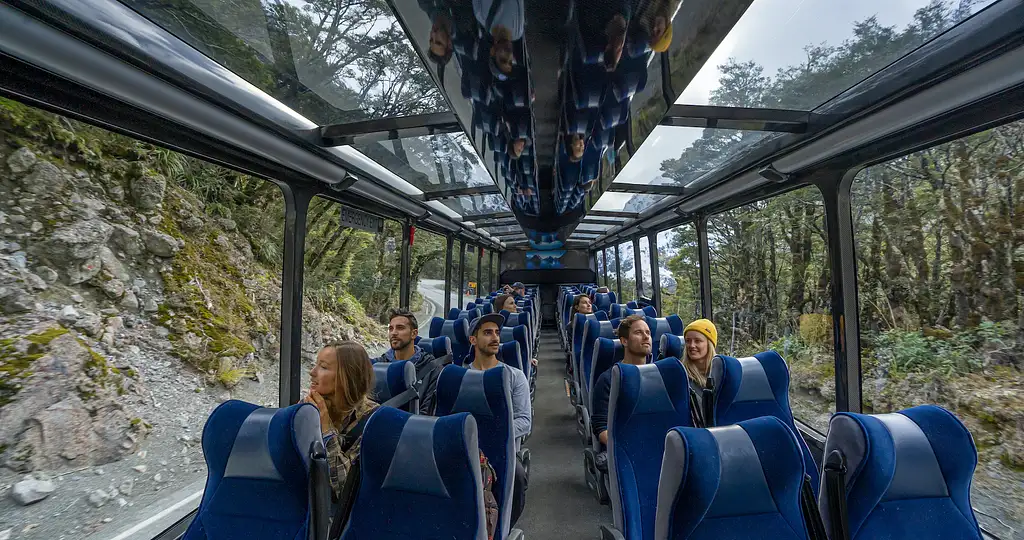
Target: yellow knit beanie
point(705, 327)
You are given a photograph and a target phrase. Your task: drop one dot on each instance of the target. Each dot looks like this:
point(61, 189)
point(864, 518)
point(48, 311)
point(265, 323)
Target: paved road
point(433, 302)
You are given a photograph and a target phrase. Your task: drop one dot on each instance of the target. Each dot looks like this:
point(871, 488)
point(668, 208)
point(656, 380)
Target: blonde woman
point(700, 338)
point(340, 386)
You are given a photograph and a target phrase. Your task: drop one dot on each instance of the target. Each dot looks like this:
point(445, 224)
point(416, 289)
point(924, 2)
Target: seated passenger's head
point(701, 338)
point(440, 44)
point(519, 288)
point(515, 148)
point(506, 302)
point(635, 336)
point(615, 32)
point(575, 146)
point(343, 375)
point(583, 305)
point(660, 33)
point(485, 335)
point(501, 49)
point(402, 328)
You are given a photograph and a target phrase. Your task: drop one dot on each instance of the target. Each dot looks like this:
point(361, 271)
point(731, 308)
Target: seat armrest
point(609, 532)
point(515, 534)
point(319, 492)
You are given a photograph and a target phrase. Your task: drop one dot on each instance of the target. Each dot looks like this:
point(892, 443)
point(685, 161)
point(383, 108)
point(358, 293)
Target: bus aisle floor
point(559, 505)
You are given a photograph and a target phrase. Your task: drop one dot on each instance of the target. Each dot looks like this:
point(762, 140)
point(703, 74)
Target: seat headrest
point(719, 482)
point(671, 346)
point(437, 346)
point(924, 452)
point(457, 330)
point(393, 378)
point(510, 352)
point(422, 464)
point(761, 380)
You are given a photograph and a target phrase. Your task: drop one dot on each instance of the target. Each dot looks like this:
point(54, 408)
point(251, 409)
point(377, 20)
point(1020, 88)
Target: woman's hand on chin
point(318, 401)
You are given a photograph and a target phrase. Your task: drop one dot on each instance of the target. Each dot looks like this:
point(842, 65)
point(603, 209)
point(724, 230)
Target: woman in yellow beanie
point(700, 339)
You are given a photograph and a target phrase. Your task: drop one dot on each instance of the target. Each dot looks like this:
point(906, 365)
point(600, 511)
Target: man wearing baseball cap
point(485, 337)
point(519, 289)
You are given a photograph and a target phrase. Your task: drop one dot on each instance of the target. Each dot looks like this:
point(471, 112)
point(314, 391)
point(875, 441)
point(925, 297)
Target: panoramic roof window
point(432, 163)
point(334, 62)
point(818, 49)
point(469, 205)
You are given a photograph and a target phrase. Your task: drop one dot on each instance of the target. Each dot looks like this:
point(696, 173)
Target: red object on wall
point(412, 234)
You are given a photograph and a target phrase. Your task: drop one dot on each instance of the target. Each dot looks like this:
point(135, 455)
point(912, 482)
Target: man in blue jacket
point(402, 332)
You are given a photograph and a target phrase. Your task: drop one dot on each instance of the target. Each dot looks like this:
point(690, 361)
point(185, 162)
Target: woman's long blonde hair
point(693, 371)
point(353, 380)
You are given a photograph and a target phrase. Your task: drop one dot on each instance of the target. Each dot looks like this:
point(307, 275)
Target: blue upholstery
point(756, 386)
point(437, 346)
point(908, 474)
point(393, 378)
point(455, 330)
point(577, 332)
point(257, 483)
point(520, 335)
point(731, 483)
point(671, 346)
point(659, 327)
point(645, 402)
point(511, 353)
point(487, 395)
point(607, 353)
point(420, 478)
point(602, 302)
point(593, 331)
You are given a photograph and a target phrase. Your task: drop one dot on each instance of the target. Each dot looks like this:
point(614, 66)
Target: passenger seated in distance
point(340, 385)
point(602, 290)
point(485, 337)
point(635, 336)
point(402, 331)
point(518, 289)
point(507, 302)
point(700, 338)
point(581, 304)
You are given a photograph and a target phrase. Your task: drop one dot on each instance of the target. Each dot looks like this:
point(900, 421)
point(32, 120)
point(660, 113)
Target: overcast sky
point(772, 33)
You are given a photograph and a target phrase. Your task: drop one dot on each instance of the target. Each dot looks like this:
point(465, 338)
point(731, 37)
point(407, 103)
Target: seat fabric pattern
point(607, 353)
point(908, 474)
point(644, 404)
point(487, 395)
point(420, 479)
point(757, 386)
point(594, 331)
point(736, 482)
point(257, 483)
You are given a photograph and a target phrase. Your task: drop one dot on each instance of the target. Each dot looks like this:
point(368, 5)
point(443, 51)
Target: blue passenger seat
point(756, 386)
point(420, 478)
point(671, 346)
point(665, 325)
point(607, 352)
point(393, 378)
point(487, 395)
point(644, 404)
point(731, 483)
point(908, 475)
point(457, 331)
point(438, 347)
point(593, 331)
point(267, 474)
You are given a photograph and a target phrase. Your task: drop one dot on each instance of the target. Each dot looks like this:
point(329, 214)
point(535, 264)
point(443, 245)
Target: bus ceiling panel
point(521, 87)
point(455, 192)
point(386, 129)
point(742, 118)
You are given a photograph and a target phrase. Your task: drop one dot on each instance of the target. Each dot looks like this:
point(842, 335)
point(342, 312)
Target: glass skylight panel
point(798, 54)
point(432, 163)
point(469, 205)
point(333, 62)
point(626, 202)
point(679, 155)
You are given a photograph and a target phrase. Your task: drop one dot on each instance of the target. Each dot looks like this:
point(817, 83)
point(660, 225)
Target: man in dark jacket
point(402, 332)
